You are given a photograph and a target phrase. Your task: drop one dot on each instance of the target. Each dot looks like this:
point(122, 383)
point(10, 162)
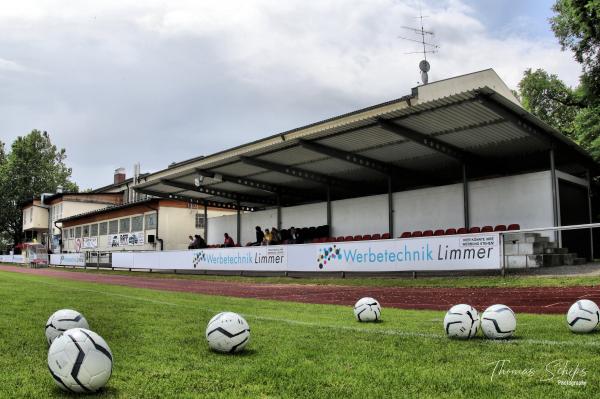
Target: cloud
point(116, 82)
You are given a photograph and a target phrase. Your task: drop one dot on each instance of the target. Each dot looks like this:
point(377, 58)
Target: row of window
point(125, 225)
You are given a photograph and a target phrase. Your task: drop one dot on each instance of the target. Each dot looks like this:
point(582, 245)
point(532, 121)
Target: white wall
point(368, 215)
point(304, 215)
point(525, 199)
point(428, 208)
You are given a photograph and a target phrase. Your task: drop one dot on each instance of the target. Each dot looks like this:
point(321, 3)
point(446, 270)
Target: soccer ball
point(367, 309)
point(461, 321)
point(498, 321)
point(583, 316)
point(61, 321)
point(227, 332)
point(80, 361)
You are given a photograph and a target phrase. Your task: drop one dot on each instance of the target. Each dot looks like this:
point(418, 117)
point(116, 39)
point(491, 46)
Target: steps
point(529, 250)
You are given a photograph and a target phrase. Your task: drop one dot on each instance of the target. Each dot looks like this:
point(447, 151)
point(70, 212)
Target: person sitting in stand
point(228, 241)
point(199, 242)
point(259, 236)
point(275, 236)
point(192, 243)
point(296, 239)
point(267, 238)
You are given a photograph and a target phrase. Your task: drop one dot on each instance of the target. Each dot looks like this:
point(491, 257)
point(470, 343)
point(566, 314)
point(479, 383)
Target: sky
point(117, 82)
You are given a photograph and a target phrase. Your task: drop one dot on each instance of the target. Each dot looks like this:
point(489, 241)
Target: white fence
point(12, 259)
point(444, 253)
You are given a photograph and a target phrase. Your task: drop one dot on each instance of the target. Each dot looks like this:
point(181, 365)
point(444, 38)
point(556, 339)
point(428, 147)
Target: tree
point(33, 166)
point(576, 24)
point(547, 97)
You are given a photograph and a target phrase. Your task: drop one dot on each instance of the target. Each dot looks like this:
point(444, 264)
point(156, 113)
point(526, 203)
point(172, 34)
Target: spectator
point(296, 238)
point(199, 242)
point(260, 236)
point(267, 238)
point(275, 236)
point(192, 243)
point(228, 241)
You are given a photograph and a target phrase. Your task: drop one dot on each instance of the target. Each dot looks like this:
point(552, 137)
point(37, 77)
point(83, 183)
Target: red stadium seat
point(417, 233)
point(358, 238)
point(461, 230)
point(376, 237)
point(348, 238)
point(474, 230)
point(450, 232)
point(385, 236)
point(406, 234)
point(340, 239)
point(427, 233)
point(367, 237)
point(500, 227)
point(514, 227)
point(487, 229)
point(438, 232)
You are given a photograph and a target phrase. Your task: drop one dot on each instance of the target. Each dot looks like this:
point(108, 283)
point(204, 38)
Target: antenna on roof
point(428, 48)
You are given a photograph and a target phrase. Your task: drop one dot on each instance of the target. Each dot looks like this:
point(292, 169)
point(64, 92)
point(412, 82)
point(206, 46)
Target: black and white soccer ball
point(80, 361)
point(461, 321)
point(227, 332)
point(498, 321)
point(583, 316)
point(367, 309)
point(63, 320)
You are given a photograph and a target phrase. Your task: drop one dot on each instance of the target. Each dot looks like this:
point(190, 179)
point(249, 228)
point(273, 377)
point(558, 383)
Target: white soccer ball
point(63, 320)
point(227, 332)
point(583, 316)
point(498, 321)
point(461, 321)
point(367, 309)
point(80, 361)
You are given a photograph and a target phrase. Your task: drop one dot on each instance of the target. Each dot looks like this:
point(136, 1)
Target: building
point(145, 225)
point(41, 215)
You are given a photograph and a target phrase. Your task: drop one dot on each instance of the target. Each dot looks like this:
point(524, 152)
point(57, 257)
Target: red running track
point(530, 300)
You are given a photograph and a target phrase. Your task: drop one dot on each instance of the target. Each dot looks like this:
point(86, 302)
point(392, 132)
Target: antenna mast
point(428, 48)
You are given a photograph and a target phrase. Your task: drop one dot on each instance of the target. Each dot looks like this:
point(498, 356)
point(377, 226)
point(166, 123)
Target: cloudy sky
point(118, 81)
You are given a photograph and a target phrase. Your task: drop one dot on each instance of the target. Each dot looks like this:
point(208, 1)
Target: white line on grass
point(334, 327)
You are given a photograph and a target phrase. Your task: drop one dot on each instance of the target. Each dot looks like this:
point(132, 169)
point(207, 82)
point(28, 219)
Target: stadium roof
point(419, 140)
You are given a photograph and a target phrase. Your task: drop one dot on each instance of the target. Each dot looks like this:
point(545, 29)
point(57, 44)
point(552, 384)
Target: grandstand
point(454, 156)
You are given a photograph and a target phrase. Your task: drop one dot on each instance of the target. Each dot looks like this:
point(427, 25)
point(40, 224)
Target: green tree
point(33, 166)
point(576, 24)
point(550, 99)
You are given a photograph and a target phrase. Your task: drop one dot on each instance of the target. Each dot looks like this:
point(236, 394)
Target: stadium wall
point(525, 199)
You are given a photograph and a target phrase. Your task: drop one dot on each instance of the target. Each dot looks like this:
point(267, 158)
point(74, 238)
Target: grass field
point(296, 350)
point(456, 281)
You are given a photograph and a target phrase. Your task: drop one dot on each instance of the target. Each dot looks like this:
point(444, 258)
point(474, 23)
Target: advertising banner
point(457, 252)
point(443, 253)
point(125, 239)
point(90, 242)
point(67, 259)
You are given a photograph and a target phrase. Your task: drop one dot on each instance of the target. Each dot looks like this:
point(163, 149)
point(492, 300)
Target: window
point(94, 230)
point(137, 223)
point(103, 228)
point(71, 233)
point(86, 231)
point(199, 220)
point(113, 227)
point(78, 232)
point(151, 221)
point(124, 225)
